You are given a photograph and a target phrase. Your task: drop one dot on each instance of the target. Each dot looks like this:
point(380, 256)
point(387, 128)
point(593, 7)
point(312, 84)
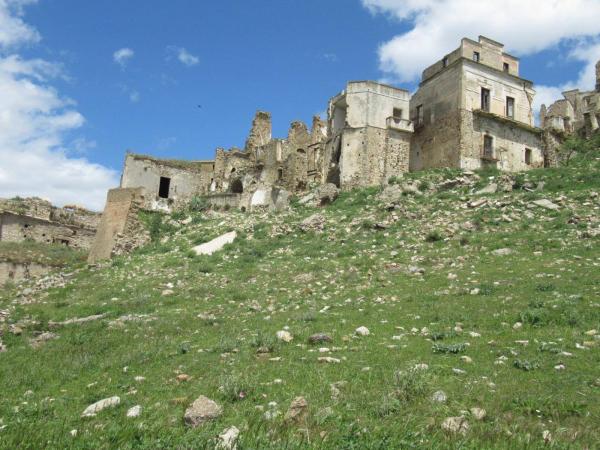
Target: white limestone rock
point(208, 248)
point(95, 408)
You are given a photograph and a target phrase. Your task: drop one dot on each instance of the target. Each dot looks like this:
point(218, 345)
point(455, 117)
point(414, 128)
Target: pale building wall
point(187, 179)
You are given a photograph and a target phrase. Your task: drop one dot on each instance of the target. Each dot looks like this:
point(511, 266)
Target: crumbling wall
point(120, 214)
point(260, 134)
point(186, 179)
point(15, 271)
point(37, 220)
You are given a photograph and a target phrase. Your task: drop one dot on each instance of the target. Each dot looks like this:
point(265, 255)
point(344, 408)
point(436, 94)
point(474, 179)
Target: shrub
point(525, 365)
point(410, 384)
point(234, 387)
point(451, 348)
point(434, 236)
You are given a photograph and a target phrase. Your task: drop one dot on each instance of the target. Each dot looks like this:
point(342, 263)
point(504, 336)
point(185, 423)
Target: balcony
point(395, 123)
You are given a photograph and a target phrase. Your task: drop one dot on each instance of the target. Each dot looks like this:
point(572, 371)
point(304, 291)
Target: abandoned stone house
point(577, 113)
point(37, 220)
point(472, 109)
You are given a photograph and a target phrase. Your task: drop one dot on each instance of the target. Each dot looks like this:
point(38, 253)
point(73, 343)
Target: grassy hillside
point(494, 305)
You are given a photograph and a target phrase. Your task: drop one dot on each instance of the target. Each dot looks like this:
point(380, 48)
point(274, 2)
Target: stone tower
point(598, 76)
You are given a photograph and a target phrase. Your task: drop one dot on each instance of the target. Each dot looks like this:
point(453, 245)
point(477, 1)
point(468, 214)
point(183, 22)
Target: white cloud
point(122, 56)
point(35, 124)
point(13, 31)
point(182, 55)
point(525, 27)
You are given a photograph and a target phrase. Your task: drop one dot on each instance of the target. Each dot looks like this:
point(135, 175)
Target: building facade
point(472, 110)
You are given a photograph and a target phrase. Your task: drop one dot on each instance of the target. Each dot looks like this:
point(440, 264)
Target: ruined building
point(578, 112)
point(472, 109)
point(37, 220)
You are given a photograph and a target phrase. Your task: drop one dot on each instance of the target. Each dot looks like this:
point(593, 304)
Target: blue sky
point(231, 58)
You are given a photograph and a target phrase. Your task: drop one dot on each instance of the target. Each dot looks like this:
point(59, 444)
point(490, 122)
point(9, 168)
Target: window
point(488, 147)
point(419, 115)
point(485, 99)
point(397, 114)
point(510, 107)
point(476, 56)
point(445, 61)
point(528, 156)
point(280, 174)
point(163, 189)
point(506, 67)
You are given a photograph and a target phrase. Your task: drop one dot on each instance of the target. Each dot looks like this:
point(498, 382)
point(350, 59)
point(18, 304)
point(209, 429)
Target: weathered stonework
point(37, 220)
point(473, 110)
point(577, 113)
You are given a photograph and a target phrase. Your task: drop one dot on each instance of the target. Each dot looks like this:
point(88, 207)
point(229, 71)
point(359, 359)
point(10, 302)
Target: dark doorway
point(163, 189)
point(237, 187)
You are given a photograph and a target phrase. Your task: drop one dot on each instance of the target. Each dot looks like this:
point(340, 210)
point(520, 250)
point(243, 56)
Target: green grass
point(219, 328)
point(45, 254)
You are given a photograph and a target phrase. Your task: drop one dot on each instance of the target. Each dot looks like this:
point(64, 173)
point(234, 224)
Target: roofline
point(378, 83)
point(463, 59)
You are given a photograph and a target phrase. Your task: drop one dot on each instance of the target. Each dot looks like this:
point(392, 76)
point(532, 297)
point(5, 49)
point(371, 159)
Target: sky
point(83, 81)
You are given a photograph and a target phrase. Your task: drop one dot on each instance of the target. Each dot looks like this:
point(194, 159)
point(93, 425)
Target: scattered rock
point(38, 341)
point(183, 377)
point(298, 410)
point(228, 439)
point(362, 331)
point(477, 203)
point(95, 408)
point(478, 413)
point(134, 411)
point(328, 359)
point(208, 248)
point(202, 410)
point(167, 292)
point(77, 320)
point(316, 222)
point(466, 359)
point(284, 336)
point(456, 425)
point(502, 252)
point(319, 338)
point(546, 204)
point(439, 397)
point(327, 193)
point(491, 188)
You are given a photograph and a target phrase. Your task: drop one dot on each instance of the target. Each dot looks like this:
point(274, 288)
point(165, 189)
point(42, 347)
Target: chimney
point(598, 76)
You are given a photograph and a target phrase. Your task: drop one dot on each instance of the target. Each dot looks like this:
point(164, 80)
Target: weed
point(451, 348)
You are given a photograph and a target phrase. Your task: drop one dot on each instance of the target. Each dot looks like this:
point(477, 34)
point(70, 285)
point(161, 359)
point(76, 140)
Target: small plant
point(226, 345)
point(198, 204)
point(451, 348)
point(525, 365)
point(410, 384)
point(267, 343)
point(434, 236)
point(531, 317)
point(234, 388)
point(388, 405)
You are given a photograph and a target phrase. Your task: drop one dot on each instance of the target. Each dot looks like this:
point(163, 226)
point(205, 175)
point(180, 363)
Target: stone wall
point(186, 179)
point(12, 271)
point(120, 215)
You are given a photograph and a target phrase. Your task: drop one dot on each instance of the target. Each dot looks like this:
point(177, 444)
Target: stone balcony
point(395, 123)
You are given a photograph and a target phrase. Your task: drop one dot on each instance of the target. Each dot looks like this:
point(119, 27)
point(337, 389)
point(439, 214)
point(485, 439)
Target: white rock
point(228, 439)
point(502, 252)
point(517, 326)
point(478, 413)
point(284, 336)
point(546, 204)
point(439, 396)
point(73, 432)
point(208, 248)
point(328, 359)
point(466, 359)
point(95, 408)
point(362, 331)
point(456, 425)
point(134, 411)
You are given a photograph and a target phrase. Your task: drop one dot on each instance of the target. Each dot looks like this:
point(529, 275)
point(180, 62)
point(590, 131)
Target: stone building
point(578, 112)
point(472, 110)
point(37, 220)
point(369, 135)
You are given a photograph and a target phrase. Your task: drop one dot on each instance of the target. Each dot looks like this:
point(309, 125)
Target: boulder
point(298, 410)
point(315, 222)
point(134, 411)
point(95, 408)
point(319, 338)
point(456, 425)
point(208, 248)
point(284, 336)
point(491, 188)
point(228, 439)
point(202, 410)
point(327, 193)
point(546, 204)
